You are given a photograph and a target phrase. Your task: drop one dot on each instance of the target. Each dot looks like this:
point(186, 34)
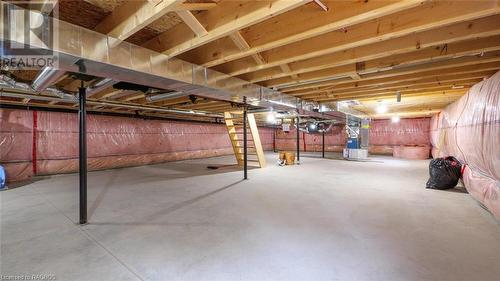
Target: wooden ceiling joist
point(472, 69)
point(442, 65)
point(394, 65)
point(413, 96)
point(409, 113)
point(114, 93)
point(399, 84)
point(422, 85)
point(287, 70)
point(377, 95)
point(453, 93)
point(133, 16)
point(437, 14)
point(221, 21)
point(133, 97)
point(190, 20)
point(453, 80)
point(242, 44)
point(304, 23)
point(405, 76)
point(321, 5)
point(461, 38)
point(195, 6)
point(431, 52)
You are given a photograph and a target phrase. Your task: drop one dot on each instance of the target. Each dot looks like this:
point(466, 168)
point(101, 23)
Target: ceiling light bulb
point(381, 108)
point(271, 118)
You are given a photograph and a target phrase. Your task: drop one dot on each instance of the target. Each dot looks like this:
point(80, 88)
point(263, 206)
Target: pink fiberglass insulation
point(469, 129)
point(112, 142)
point(384, 136)
point(415, 152)
point(16, 138)
point(334, 140)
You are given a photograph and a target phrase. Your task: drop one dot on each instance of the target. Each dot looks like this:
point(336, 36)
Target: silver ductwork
point(62, 95)
point(71, 99)
point(315, 126)
point(100, 86)
point(10, 82)
point(164, 96)
point(80, 50)
point(46, 78)
point(15, 89)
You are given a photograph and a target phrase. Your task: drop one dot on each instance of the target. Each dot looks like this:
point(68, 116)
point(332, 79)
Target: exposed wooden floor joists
point(430, 51)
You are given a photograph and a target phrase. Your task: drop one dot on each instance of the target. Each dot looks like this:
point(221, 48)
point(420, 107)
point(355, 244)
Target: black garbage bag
point(444, 173)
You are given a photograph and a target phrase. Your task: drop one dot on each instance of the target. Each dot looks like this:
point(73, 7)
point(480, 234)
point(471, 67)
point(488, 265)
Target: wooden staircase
point(234, 124)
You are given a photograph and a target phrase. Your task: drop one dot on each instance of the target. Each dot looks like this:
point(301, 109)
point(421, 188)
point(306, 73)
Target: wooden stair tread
point(236, 135)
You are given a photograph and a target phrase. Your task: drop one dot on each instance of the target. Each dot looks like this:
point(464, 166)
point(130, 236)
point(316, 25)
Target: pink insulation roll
point(411, 151)
point(386, 136)
point(16, 143)
point(469, 129)
point(40, 142)
point(335, 140)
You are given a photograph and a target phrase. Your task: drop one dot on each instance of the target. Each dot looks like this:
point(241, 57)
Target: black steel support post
point(323, 144)
point(82, 115)
point(274, 139)
point(298, 140)
point(245, 140)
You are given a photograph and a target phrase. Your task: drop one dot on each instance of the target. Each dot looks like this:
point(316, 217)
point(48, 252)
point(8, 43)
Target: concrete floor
point(322, 220)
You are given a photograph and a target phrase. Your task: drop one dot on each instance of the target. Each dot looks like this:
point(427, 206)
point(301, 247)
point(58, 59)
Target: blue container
point(352, 143)
point(3, 178)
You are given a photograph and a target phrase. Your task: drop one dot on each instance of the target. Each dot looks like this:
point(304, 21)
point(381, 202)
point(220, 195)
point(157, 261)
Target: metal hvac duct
point(100, 86)
point(62, 95)
point(314, 127)
point(126, 62)
point(164, 96)
point(16, 89)
point(45, 78)
point(10, 82)
point(72, 99)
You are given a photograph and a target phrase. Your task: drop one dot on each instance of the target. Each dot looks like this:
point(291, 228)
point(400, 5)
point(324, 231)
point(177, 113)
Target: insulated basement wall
point(384, 136)
point(469, 129)
point(52, 139)
point(335, 140)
